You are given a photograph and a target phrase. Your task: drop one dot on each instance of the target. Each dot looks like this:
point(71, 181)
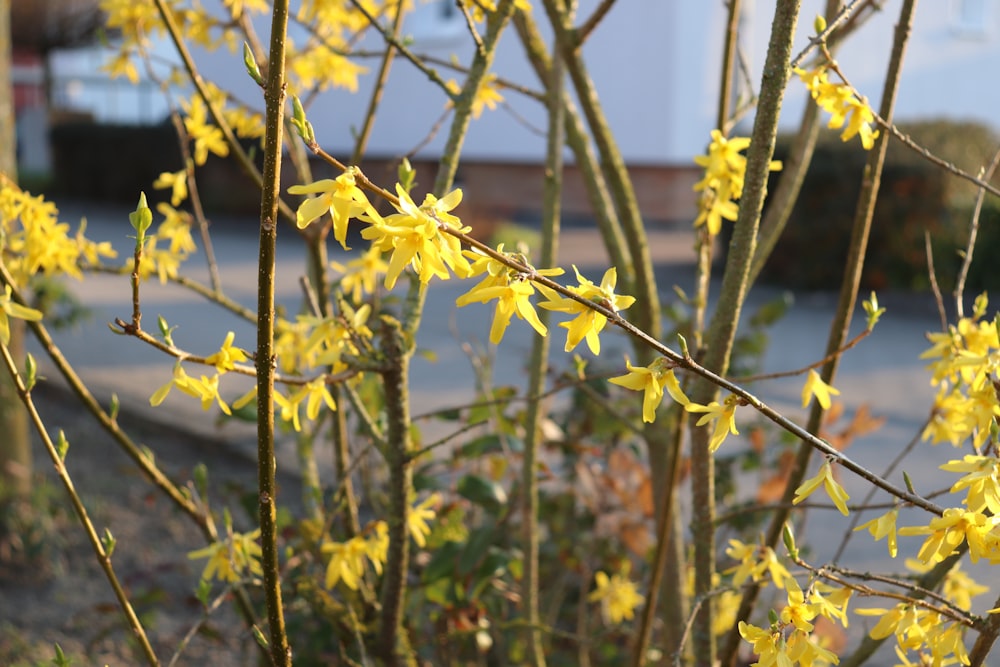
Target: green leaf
point(141, 219)
point(203, 592)
point(109, 542)
point(772, 311)
point(30, 371)
point(479, 544)
point(62, 445)
point(407, 174)
point(114, 407)
point(485, 444)
point(251, 64)
point(494, 565)
point(303, 126)
point(442, 563)
point(60, 660)
point(483, 492)
point(200, 476)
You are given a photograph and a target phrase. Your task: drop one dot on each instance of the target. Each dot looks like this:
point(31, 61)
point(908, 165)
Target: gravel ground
point(61, 596)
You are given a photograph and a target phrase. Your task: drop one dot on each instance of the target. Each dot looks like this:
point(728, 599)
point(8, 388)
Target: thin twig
point(932, 276)
point(98, 546)
point(963, 274)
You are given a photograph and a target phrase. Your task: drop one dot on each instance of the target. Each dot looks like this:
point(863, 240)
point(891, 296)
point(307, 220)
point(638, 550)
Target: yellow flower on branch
point(843, 105)
point(204, 389)
point(487, 96)
point(227, 356)
point(513, 291)
point(207, 138)
point(722, 185)
point(347, 559)
point(825, 479)
point(415, 238)
point(588, 323)
point(724, 416)
point(797, 612)
point(816, 387)
point(176, 228)
point(512, 299)
point(945, 533)
point(231, 559)
point(347, 562)
point(755, 561)
point(884, 526)
point(618, 595)
point(289, 407)
point(982, 480)
point(340, 197)
point(361, 274)
point(652, 380)
point(176, 182)
point(419, 515)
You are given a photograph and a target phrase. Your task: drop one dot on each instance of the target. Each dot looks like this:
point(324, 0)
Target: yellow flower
point(414, 238)
point(945, 533)
point(754, 562)
point(884, 526)
point(289, 407)
point(230, 559)
point(842, 104)
point(816, 387)
point(768, 645)
point(982, 481)
point(417, 518)
point(206, 137)
point(227, 356)
point(652, 380)
point(347, 562)
point(347, 559)
point(797, 612)
point(833, 489)
point(176, 228)
point(618, 596)
point(10, 308)
point(588, 323)
point(722, 184)
point(724, 416)
point(204, 389)
point(487, 96)
point(512, 299)
point(340, 197)
point(176, 182)
point(360, 275)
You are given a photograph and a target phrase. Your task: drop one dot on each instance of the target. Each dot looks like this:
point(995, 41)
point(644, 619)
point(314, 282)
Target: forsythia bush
point(454, 562)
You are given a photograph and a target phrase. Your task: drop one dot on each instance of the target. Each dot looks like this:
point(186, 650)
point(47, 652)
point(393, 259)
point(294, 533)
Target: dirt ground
point(54, 592)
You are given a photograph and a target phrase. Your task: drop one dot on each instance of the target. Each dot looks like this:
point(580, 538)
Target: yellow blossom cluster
point(935, 639)
point(34, 241)
point(231, 559)
point(487, 95)
point(790, 639)
point(322, 61)
point(348, 559)
point(618, 596)
point(846, 109)
point(966, 361)
point(722, 184)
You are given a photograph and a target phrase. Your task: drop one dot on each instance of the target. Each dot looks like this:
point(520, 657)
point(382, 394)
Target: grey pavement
point(883, 372)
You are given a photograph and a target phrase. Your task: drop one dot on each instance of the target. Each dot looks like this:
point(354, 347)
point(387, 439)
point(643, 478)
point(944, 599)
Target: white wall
point(655, 64)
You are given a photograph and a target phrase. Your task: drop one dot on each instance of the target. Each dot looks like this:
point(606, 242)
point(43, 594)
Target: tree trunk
point(15, 446)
